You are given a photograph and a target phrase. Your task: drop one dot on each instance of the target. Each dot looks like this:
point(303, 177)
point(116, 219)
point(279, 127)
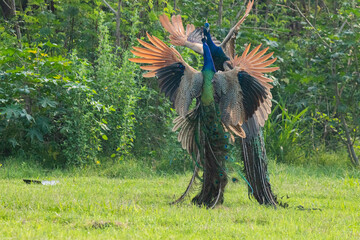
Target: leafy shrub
point(283, 133)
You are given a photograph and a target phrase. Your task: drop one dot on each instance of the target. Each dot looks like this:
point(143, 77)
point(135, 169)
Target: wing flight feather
point(255, 64)
point(180, 82)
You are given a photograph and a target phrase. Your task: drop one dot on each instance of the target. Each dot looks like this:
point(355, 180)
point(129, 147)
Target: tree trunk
point(303, 3)
point(51, 6)
point(118, 14)
point(267, 13)
point(6, 8)
point(316, 10)
point(71, 34)
point(349, 145)
point(220, 13)
point(17, 27)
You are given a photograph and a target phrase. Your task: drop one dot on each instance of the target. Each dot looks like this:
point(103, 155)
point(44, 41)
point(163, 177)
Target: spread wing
point(191, 38)
point(240, 97)
point(180, 82)
point(244, 93)
point(228, 44)
point(255, 63)
point(178, 35)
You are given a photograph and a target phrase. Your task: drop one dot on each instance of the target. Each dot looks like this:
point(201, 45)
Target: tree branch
point(6, 4)
point(280, 5)
point(261, 28)
point(108, 5)
point(326, 7)
point(342, 26)
point(317, 32)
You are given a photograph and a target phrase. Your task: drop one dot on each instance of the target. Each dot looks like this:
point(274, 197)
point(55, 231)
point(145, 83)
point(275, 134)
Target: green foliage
point(44, 101)
point(119, 92)
point(286, 126)
point(68, 95)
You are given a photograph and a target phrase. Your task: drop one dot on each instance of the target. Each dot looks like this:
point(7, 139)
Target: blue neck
point(209, 41)
point(208, 61)
point(217, 52)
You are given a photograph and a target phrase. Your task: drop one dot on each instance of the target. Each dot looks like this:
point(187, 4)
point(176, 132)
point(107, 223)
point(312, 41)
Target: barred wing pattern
point(178, 35)
point(243, 92)
point(180, 82)
point(256, 64)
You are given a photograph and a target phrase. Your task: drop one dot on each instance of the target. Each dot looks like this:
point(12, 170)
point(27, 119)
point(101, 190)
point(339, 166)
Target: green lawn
point(95, 207)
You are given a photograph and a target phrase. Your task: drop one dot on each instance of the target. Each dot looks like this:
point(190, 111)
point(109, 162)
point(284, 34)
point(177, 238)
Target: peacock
point(253, 146)
point(224, 102)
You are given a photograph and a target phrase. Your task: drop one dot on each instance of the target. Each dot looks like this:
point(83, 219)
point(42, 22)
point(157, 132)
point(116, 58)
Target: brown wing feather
point(180, 82)
point(143, 60)
point(255, 64)
point(230, 95)
point(178, 35)
point(144, 50)
point(187, 126)
point(176, 29)
point(259, 54)
point(264, 110)
point(157, 54)
point(234, 30)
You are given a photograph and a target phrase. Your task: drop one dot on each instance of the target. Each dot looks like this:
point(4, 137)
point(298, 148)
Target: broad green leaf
point(34, 134)
point(11, 111)
point(45, 101)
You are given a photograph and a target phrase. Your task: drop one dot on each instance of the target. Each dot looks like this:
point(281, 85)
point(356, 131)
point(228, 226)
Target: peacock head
point(206, 28)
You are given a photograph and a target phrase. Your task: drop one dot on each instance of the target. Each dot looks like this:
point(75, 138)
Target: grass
point(96, 204)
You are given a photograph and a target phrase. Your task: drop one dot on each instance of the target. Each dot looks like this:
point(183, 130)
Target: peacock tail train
point(211, 151)
point(255, 167)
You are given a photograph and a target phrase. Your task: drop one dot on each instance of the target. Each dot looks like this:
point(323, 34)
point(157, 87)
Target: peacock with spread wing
point(233, 99)
point(253, 146)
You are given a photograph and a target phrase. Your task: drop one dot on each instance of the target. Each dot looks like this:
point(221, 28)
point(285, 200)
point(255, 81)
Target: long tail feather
point(202, 134)
point(255, 164)
point(215, 143)
point(192, 181)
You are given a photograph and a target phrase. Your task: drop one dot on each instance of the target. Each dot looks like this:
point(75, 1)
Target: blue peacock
point(232, 97)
